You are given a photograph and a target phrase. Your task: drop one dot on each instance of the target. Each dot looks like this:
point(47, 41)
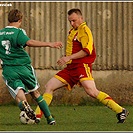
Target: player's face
point(75, 20)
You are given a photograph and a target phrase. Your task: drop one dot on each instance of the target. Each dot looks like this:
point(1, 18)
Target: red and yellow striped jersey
point(81, 39)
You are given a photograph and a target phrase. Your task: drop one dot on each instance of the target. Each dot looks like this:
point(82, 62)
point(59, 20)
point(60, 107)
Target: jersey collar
point(11, 27)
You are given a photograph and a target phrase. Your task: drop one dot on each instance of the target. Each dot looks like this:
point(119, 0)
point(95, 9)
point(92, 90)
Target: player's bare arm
point(62, 61)
point(56, 45)
point(35, 43)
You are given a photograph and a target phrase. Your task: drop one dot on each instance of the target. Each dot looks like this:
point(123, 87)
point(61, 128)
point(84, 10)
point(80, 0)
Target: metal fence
point(110, 22)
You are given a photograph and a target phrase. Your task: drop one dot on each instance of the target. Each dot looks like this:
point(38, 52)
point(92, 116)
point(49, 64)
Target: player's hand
point(62, 61)
point(56, 45)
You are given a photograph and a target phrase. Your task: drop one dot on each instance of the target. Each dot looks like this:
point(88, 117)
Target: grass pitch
point(68, 118)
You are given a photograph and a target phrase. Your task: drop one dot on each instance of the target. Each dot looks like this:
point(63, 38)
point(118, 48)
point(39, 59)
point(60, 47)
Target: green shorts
point(20, 77)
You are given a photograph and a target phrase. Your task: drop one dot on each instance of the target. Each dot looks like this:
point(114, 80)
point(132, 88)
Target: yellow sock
point(48, 98)
point(109, 102)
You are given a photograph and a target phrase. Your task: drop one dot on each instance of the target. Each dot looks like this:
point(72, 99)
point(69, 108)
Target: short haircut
point(75, 10)
point(14, 15)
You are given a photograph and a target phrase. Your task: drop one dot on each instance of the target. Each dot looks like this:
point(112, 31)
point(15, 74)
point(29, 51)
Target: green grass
point(68, 118)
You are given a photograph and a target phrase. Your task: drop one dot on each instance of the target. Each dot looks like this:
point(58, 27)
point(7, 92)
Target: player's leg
point(13, 77)
point(43, 106)
point(50, 87)
point(88, 83)
point(62, 78)
point(28, 77)
point(90, 88)
point(15, 86)
point(19, 96)
point(24, 105)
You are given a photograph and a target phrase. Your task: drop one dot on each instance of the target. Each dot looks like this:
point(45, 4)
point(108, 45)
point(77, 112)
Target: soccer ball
point(24, 119)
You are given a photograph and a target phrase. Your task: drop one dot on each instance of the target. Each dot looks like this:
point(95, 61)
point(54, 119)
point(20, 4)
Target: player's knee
point(35, 94)
point(93, 92)
point(48, 88)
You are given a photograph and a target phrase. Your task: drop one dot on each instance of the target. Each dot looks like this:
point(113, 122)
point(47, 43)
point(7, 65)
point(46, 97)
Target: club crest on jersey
point(75, 37)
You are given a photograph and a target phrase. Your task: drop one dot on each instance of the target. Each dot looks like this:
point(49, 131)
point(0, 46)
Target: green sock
point(43, 106)
point(20, 105)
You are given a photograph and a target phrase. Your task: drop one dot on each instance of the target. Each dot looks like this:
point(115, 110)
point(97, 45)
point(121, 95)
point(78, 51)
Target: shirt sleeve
point(86, 39)
point(22, 38)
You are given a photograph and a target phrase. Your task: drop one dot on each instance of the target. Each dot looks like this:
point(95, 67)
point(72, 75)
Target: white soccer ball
point(24, 119)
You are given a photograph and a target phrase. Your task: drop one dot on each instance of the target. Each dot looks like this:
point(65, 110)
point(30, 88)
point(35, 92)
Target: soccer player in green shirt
point(18, 73)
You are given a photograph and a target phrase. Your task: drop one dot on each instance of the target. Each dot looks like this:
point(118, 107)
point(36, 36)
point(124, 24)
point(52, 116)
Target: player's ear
point(20, 20)
point(82, 17)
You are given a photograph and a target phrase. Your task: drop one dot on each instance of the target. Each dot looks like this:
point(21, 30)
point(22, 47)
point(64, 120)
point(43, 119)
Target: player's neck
point(15, 24)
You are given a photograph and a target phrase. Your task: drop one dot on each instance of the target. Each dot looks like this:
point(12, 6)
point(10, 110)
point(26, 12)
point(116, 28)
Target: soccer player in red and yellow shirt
point(80, 54)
